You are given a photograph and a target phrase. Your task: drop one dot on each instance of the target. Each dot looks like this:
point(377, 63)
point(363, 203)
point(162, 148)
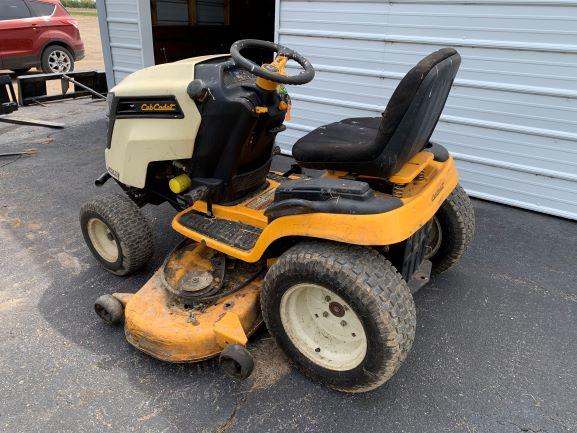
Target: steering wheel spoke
point(273, 73)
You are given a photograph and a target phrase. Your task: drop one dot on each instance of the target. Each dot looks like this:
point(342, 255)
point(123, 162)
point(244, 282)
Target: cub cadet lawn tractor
point(329, 263)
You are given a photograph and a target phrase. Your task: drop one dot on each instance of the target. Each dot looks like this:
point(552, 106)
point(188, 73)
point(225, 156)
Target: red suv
point(38, 33)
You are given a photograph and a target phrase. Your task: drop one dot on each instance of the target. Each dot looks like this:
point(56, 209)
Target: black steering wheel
point(304, 77)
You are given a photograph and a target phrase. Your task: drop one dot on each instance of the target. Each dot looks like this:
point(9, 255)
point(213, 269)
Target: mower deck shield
point(164, 327)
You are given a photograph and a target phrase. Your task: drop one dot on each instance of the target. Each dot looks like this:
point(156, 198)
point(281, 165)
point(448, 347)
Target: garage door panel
point(547, 72)
point(504, 147)
point(355, 11)
point(366, 54)
point(128, 33)
point(344, 17)
point(126, 58)
point(368, 91)
point(540, 193)
point(312, 114)
point(119, 9)
point(533, 151)
point(519, 111)
point(440, 21)
point(551, 115)
point(488, 22)
point(511, 119)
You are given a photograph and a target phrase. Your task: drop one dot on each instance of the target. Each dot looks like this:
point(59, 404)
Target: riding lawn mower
point(329, 263)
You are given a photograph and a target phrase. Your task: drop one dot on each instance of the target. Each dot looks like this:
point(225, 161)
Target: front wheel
point(109, 309)
point(236, 361)
point(117, 233)
point(451, 232)
point(341, 313)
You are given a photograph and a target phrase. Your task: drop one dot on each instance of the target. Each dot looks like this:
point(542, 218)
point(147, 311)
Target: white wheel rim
point(323, 327)
point(102, 240)
point(59, 61)
point(434, 239)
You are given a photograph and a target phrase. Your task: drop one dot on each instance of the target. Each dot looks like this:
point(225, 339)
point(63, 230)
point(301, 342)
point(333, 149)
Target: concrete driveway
point(495, 350)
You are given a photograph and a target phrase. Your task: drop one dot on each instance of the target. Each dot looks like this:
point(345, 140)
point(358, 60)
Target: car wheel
point(57, 59)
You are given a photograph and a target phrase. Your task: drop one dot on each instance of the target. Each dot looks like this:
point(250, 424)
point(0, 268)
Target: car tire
point(57, 59)
point(117, 233)
point(363, 309)
point(452, 231)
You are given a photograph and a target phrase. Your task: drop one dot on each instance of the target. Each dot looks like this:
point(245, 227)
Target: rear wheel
point(57, 59)
point(451, 232)
point(342, 313)
point(117, 233)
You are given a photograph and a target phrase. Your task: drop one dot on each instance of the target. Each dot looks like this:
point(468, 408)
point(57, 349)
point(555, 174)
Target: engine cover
point(152, 118)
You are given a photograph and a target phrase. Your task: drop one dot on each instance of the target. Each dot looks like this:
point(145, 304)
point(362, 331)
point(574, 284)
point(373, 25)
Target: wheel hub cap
point(337, 309)
point(59, 61)
point(434, 239)
point(323, 327)
point(102, 240)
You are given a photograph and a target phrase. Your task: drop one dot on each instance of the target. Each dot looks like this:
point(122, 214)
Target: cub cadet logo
point(438, 191)
point(158, 107)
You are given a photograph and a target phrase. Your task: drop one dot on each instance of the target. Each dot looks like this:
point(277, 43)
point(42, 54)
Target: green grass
point(82, 4)
point(82, 12)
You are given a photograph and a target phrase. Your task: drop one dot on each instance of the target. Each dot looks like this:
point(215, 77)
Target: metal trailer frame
point(32, 88)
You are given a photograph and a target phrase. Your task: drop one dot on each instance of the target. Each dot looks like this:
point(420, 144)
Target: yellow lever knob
point(180, 183)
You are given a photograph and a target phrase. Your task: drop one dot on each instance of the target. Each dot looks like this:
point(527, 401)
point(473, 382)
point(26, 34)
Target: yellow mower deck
point(244, 232)
point(170, 329)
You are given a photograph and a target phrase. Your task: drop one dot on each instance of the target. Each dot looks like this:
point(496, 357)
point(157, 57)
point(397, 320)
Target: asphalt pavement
point(495, 349)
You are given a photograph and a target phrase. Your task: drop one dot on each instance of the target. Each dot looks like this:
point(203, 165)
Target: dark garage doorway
point(189, 28)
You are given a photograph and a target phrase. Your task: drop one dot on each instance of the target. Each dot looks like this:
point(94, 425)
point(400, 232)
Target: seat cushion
point(350, 139)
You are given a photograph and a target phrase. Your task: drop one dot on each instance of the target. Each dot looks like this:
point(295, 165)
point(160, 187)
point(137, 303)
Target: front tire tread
point(129, 225)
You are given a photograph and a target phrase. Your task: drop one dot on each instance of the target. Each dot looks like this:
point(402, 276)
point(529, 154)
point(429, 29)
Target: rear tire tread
point(457, 219)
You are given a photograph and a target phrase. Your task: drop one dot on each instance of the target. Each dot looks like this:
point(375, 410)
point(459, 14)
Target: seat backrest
point(414, 109)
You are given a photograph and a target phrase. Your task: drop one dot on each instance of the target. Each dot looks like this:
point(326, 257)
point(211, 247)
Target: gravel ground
point(495, 348)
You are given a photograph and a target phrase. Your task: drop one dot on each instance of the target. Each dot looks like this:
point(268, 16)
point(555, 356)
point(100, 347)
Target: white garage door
point(126, 34)
point(511, 119)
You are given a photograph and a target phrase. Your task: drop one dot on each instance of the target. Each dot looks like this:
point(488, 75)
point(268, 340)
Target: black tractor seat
point(381, 146)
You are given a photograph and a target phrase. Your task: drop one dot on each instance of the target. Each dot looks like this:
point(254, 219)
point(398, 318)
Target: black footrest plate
point(233, 233)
